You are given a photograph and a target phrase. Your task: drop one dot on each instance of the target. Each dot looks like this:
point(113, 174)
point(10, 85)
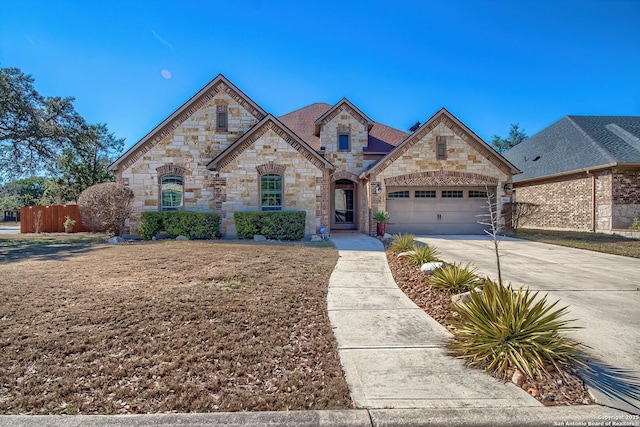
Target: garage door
point(436, 210)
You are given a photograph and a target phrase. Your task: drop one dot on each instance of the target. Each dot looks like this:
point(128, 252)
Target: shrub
point(105, 207)
point(421, 254)
point(500, 329)
point(280, 225)
point(401, 243)
point(635, 225)
point(194, 225)
point(455, 278)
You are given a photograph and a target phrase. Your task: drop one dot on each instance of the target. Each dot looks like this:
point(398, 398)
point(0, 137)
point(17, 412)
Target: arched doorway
point(344, 205)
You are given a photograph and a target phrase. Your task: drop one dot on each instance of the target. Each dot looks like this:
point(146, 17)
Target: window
point(271, 192)
point(171, 188)
point(477, 194)
point(425, 194)
point(398, 195)
point(441, 147)
point(343, 142)
point(452, 194)
point(222, 122)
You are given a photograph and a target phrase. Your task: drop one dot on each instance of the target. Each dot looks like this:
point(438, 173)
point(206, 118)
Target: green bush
point(422, 254)
point(401, 243)
point(280, 225)
point(455, 278)
point(500, 329)
point(194, 225)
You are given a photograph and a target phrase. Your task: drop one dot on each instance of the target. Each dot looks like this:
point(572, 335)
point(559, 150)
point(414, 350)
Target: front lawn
point(168, 326)
point(598, 242)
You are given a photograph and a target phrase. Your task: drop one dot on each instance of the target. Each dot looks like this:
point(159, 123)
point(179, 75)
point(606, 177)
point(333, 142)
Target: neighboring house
point(221, 152)
point(583, 172)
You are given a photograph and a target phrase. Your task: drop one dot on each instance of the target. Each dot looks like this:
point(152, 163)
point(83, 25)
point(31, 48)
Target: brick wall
point(626, 197)
point(564, 203)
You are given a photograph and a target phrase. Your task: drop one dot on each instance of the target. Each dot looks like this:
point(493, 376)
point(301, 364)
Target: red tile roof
point(301, 122)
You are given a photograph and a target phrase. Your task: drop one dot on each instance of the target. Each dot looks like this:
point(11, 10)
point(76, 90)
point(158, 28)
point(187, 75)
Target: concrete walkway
point(601, 290)
point(392, 352)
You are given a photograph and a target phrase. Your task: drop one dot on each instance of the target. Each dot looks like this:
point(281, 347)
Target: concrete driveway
point(601, 290)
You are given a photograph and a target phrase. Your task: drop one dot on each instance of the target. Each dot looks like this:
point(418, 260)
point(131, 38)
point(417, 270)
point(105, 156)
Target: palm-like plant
point(500, 329)
point(455, 278)
point(422, 254)
point(401, 243)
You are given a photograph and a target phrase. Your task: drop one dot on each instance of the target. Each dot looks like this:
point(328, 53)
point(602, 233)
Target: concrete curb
point(550, 416)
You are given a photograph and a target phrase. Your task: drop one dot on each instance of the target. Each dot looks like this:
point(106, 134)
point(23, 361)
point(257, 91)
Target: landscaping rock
point(131, 237)
point(387, 236)
point(465, 297)
point(430, 266)
point(518, 378)
point(116, 239)
point(259, 238)
point(182, 238)
point(316, 238)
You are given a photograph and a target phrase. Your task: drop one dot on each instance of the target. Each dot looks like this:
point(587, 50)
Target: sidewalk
point(392, 352)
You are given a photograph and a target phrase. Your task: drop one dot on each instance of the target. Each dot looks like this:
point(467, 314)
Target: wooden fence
point(51, 219)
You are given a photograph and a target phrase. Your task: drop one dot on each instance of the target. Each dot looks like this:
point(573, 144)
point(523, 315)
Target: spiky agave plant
point(401, 243)
point(500, 329)
point(422, 254)
point(455, 278)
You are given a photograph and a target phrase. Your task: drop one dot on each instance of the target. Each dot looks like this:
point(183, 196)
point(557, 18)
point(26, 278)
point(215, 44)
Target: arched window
point(171, 189)
point(271, 192)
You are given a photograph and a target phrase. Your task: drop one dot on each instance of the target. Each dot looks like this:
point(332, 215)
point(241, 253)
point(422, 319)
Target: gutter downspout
point(593, 201)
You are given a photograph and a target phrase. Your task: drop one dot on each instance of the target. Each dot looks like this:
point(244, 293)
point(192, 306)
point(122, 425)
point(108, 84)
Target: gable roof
point(577, 143)
point(219, 83)
point(452, 122)
point(343, 104)
point(246, 140)
point(382, 138)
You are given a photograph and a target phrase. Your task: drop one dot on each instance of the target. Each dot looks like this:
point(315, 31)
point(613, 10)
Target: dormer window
point(222, 122)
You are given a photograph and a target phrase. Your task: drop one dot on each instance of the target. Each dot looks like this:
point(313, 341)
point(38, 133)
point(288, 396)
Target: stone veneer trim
point(343, 105)
point(441, 178)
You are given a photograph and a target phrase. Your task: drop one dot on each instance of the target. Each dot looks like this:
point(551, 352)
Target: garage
point(436, 210)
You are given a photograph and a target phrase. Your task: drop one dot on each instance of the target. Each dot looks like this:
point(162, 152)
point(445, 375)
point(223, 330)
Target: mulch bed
point(553, 389)
point(167, 327)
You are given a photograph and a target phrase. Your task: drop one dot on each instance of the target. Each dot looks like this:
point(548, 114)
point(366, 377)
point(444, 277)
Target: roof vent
point(414, 127)
point(536, 158)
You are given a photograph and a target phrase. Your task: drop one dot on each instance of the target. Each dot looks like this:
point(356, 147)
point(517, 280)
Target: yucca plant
point(455, 278)
point(500, 329)
point(401, 243)
point(421, 254)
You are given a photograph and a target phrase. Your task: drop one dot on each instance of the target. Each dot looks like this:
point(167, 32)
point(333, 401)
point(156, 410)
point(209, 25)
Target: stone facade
point(625, 197)
point(270, 153)
point(467, 163)
point(221, 164)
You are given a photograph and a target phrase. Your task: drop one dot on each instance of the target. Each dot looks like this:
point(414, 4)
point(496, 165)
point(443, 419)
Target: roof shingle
point(575, 143)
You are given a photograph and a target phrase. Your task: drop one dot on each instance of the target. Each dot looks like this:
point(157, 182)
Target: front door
point(344, 212)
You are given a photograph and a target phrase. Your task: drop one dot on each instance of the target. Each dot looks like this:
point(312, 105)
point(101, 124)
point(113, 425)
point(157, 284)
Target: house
point(583, 173)
point(221, 152)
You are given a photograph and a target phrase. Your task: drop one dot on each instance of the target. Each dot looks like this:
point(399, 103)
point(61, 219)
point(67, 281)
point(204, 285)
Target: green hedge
point(280, 225)
point(194, 225)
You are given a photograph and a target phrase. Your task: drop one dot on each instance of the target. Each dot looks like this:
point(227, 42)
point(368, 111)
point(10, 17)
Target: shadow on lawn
point(617, 384)
point(44, 252)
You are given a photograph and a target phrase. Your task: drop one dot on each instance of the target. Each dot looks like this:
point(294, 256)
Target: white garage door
point(439, 210)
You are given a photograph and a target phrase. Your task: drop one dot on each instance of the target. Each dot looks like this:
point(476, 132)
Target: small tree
point(105, 207)
point(520, 212)
point(491, 219)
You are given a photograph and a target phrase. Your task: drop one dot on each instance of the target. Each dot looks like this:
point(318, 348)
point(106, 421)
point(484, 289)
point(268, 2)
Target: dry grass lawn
point(598, 242)
point(166, 327)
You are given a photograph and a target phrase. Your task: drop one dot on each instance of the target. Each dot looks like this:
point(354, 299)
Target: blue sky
point(130, 64)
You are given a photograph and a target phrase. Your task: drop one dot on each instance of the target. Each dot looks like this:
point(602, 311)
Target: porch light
point(378, 189)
